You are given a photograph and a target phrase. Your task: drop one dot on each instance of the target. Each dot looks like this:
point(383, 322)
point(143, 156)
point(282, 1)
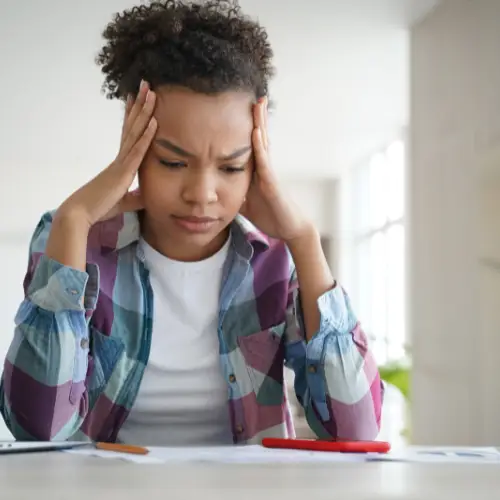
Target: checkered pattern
point(82, 341)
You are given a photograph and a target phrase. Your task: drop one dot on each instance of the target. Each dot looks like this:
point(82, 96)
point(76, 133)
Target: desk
point(60, 476)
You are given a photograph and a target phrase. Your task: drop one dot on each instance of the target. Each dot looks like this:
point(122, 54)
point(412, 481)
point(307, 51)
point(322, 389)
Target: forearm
point(340, 385)
point(313, 274)
point(43, 393)
point(67, 242)
point(337, 374)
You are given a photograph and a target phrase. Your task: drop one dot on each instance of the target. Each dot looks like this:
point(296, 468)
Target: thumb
point(132, 202)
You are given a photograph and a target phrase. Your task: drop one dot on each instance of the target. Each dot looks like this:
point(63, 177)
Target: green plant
point(397, 375)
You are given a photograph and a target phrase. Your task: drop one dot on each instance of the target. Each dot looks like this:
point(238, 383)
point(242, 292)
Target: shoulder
point(109, 235)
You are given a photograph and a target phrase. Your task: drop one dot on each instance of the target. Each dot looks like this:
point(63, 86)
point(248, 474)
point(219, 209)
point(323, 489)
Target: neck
point(180, 251)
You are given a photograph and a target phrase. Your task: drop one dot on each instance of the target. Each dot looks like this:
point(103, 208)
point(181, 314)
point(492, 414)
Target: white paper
point(113, 455)
point(445, 454)
point(257, 454)
point(254, 454)
point(250, 454)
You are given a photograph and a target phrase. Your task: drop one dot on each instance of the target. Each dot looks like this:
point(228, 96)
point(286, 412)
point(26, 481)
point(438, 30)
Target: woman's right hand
point(107, 194)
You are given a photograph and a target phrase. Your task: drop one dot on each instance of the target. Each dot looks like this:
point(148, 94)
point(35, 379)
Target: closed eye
point(173, 164)
point(230, 169)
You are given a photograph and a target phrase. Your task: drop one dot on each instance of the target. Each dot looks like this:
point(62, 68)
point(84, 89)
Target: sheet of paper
point(224, 454)
point(259, 455)
point(111, 455)
point(446, 454)
point(250, 454)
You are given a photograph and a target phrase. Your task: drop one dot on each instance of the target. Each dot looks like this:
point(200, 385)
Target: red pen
point(331, 446)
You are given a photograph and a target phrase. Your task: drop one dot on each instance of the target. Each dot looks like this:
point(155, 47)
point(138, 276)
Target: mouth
point(194, 224)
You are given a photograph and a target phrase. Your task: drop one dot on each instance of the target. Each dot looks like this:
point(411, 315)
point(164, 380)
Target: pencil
point(122, 448)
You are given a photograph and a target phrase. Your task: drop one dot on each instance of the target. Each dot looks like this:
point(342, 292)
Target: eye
point(230, 169)
point(172, 164)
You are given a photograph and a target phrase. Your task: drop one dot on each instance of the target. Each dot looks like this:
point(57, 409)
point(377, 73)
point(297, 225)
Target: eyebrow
point(181, 152)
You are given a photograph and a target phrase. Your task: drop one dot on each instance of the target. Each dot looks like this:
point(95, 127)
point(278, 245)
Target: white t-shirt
point(183, 398)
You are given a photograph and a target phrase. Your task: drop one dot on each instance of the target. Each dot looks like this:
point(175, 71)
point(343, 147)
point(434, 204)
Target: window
point(374, 251)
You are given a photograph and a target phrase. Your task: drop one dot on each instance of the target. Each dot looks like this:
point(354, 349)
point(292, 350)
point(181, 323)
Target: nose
point(200, 189)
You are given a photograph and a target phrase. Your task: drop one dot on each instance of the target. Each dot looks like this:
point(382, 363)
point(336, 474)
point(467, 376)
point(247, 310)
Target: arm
point(313, 275)
point(42, 392)
point(336, 378)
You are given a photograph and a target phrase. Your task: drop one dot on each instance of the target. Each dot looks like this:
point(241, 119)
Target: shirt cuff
point(56, 287)
point(337, 319)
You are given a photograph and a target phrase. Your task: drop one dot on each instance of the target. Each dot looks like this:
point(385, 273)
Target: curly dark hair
point(208, 47)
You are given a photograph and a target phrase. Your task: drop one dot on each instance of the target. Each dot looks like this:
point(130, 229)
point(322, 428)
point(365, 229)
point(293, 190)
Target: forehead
point(197, 119)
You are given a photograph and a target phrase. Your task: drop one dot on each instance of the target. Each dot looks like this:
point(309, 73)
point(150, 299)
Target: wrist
point(71, 218)
point(308, 235)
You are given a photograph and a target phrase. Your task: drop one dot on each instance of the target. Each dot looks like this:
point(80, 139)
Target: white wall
point(453, 222)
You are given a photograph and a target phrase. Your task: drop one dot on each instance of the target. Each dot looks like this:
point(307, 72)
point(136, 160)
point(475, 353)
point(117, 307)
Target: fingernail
point(135, 192)
point(142, 85)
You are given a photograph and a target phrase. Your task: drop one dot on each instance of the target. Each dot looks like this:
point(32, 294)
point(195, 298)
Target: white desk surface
point(57, 475)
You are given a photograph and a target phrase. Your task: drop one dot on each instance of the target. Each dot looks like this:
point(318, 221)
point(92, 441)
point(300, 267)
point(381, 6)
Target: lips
point(192, 218)
point(193, 224)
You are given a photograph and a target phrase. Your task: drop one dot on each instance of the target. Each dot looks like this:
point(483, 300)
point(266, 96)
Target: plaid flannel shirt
point(82, 339)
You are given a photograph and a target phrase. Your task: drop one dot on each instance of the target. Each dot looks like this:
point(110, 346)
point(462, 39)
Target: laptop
point(38, 446)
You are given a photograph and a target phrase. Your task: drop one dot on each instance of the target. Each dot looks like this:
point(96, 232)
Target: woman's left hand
point(266, 206)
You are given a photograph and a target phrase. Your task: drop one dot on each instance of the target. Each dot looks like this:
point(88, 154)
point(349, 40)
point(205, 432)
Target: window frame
point(357, 183)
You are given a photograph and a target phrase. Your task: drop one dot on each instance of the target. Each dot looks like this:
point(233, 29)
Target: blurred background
point(386, 131)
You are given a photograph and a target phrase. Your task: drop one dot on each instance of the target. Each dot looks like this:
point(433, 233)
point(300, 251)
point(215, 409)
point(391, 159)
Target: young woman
point(165, 316)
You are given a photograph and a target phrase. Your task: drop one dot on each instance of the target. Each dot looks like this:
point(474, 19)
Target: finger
point(141, 122)
point(257, 116)
point(135, 107)
point(265, 137)
point(129, 104)
point(259, 151)
point(138, 101)
point(128, 107)
point(261, 157)
point(259, 119)
point(263, 110)
point(137, 153)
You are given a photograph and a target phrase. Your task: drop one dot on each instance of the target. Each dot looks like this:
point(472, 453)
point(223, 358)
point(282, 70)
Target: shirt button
point(232, 378)
point(312, 369)
point(239, 429)
point(84, 343)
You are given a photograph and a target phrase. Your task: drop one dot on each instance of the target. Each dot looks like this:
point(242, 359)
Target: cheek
point(156, 189)
point(235, 190)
